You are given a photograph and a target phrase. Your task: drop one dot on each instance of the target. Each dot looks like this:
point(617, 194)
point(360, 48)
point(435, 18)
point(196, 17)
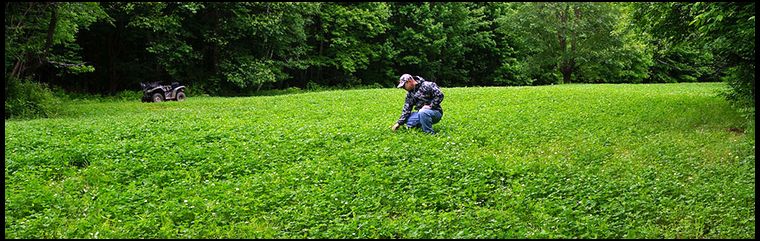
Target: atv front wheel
point(158, 97)
point(181, 96)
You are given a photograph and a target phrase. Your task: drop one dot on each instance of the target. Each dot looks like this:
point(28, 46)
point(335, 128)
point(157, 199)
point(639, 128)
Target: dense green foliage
point(29, 99)
point(725, 30)
point(563, 161)
point(40, 44)
point(577, 42)
point(239, 48)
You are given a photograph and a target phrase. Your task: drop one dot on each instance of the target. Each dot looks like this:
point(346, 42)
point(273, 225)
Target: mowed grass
point(567, 161)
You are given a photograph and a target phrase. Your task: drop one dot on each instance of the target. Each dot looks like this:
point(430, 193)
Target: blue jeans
point(425, 119)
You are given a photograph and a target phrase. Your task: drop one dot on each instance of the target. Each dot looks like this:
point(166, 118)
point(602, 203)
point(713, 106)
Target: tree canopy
point(239, 48)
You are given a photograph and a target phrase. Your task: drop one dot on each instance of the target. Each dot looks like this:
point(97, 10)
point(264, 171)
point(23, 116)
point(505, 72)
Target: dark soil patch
point(736, 130)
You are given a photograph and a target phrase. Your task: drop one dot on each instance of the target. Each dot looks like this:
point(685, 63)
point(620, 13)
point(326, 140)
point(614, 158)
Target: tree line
point(239, 48)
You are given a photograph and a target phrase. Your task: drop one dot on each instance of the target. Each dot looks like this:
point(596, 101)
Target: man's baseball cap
point(403, 79)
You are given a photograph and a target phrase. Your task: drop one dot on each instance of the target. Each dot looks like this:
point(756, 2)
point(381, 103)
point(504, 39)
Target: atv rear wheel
point(180, 96)
point(157, 97)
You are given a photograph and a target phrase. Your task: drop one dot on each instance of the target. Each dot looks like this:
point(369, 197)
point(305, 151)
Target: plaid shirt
point(424, 93)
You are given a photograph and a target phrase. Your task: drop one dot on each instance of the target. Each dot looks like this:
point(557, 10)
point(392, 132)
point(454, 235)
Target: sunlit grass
point(567, 161)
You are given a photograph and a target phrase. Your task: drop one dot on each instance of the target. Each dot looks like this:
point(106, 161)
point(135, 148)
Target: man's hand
point(395, 126)
point(425, 107)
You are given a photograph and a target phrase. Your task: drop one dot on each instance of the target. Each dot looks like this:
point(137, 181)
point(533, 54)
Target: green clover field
point(559, 161)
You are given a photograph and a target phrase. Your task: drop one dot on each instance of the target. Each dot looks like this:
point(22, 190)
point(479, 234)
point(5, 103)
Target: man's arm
point(407, 110)
point(437, 96)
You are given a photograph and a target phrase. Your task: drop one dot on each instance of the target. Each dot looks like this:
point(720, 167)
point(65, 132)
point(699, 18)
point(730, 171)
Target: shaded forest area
point(240, 48)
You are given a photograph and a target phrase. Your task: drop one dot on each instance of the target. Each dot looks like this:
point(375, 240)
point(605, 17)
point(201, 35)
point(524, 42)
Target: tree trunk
point(320, 39)
point(567, 72)
point(36, 61)
point(51, 27)
point(18, 68)
point(215, 47)
point(567, 27)
point(562, 38)
point(573, 42)
point(111, 60)
point(319, 67)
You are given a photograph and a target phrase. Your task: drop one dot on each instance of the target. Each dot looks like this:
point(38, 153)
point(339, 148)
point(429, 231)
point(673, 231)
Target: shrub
point(741, 92)
point(27, 99)
point(311, 86)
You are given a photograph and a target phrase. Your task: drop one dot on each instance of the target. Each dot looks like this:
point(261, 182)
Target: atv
point(157, 92)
